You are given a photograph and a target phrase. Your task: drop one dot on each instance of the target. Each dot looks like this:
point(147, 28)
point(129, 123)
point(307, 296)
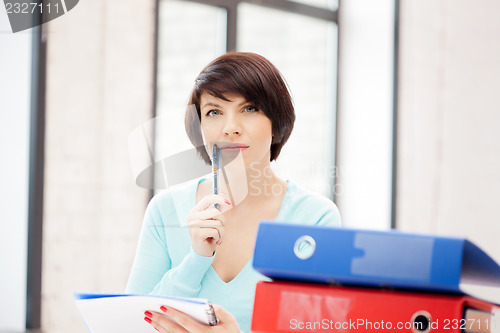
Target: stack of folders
point(346, 280)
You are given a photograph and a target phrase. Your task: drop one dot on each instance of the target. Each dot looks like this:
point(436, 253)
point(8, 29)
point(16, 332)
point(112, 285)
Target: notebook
point(124, 313)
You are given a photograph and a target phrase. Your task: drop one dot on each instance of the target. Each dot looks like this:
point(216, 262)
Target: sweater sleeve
point(152, 271)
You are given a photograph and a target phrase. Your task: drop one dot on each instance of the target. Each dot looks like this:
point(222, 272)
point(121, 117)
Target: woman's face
point(236, 126)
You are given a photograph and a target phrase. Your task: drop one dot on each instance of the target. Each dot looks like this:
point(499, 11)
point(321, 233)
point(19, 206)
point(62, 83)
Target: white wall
point(449, 129)
point(100, 85)
point(364, 148)
point(15, 76)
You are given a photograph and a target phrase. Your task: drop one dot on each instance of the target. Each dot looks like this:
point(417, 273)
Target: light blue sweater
point(166, 264)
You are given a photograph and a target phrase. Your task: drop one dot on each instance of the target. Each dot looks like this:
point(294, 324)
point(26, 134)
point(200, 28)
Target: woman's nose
point(232, 127)
point(233, 132)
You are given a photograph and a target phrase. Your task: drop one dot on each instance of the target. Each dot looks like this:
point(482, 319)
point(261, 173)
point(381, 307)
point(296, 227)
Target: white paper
point(485, 293)
point(125, 314)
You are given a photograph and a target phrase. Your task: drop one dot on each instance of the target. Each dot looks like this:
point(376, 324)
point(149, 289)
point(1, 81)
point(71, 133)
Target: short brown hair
point(258, 81)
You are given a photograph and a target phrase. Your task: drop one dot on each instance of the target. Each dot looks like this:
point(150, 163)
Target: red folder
point(300, 307)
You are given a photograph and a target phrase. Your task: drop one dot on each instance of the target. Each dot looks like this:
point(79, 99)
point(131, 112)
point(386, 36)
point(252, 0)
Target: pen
point(216, 163)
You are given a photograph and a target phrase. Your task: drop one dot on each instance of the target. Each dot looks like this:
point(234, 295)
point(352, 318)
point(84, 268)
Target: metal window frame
point(395, 116)
point(36, 177)
point(231, 7)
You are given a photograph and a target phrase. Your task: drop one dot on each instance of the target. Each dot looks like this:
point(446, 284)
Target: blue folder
point(371, 258)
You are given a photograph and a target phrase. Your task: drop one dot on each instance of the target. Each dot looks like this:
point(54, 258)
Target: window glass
point(304, 50)
point(190, 35)
point(188, 38)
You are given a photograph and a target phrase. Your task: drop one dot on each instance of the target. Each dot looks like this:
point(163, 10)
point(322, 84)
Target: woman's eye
point(251, 109)
point(212, 113)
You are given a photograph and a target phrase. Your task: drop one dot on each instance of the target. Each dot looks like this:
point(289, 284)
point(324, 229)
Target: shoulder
point(310, 207)
point(300, 197)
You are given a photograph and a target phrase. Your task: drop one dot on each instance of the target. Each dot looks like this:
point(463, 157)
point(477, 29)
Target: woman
point(243, 106)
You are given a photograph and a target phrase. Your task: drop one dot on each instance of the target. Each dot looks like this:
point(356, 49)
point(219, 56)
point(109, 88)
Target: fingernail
point(148, 320)
point(148, 314)
point(164, 309)
point(227, 202)
point(157, 329)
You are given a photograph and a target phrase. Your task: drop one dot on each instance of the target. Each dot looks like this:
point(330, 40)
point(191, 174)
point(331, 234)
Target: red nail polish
point(164, 309)
point(157, 329)
point(227, 202)
point(148, 320)
point(148, 314)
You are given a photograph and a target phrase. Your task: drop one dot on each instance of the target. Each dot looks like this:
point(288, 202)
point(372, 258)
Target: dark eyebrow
point(218, 106)
point(210, 104)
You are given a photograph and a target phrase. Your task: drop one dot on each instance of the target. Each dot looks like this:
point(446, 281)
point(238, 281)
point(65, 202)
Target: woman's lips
point(235, 147)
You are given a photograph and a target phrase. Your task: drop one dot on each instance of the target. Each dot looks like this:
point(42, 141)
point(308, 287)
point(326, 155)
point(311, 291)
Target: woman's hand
point(206, 224)
point(183, 323)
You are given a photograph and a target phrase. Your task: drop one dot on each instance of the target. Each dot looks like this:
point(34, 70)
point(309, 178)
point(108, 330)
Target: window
point(300, 38)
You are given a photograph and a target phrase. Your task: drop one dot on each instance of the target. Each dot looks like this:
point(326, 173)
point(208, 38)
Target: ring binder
point(375, 258)
point(211, 318)
point(302, 307)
